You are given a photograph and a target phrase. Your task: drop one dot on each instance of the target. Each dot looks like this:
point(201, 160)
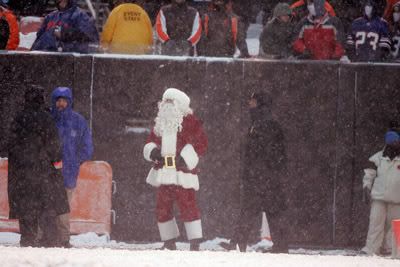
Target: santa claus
point(175, 145)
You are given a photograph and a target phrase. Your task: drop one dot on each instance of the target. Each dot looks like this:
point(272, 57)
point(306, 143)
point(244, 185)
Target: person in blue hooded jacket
point(77, 147)
point(68, 29)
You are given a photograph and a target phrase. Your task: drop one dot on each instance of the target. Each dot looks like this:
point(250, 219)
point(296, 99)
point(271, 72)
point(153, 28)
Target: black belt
point(169, 162)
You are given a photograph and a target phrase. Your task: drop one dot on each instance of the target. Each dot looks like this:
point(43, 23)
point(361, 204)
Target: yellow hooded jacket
point(128, 30)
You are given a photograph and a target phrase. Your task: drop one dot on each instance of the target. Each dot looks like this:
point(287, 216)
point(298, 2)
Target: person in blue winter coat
point(68, 29)
point(77, 147)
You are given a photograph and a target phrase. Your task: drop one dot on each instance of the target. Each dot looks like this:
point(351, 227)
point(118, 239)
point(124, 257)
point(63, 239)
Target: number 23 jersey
point(367, 39)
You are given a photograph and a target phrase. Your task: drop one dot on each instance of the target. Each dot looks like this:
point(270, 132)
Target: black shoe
point(66, 244)
point(232, 246)
point(195, 244)
point(228, 246)
point(169, 244)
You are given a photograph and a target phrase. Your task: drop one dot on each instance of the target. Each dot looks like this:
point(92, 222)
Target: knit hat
point(179, 96)
point(391, 137)
point(282, 9)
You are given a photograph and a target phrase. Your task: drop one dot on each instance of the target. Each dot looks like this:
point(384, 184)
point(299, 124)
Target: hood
point(64, 92)
point(372, 3)
point(71, 3)
point(319, 8)
point(34, 98)
point(282, 9)
point(396, 5)
point(263, 110)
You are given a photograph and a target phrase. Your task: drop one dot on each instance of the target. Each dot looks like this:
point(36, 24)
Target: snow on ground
point(91, 250)
point(104, 257)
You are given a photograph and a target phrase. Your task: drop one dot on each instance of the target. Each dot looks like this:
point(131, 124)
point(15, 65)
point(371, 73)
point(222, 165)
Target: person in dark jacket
point(35, 189)
point(276, 37)
point(77, 147)
point(178, 27)
point(262, 179)
point(69, 29)
point(4, 33)
point(223, 31)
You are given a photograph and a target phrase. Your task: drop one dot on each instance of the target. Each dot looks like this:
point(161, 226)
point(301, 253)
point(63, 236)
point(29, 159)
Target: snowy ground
point(91, 250)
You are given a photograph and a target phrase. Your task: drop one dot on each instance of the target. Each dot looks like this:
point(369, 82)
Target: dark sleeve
point(4, 33)
point(52, 140)
point(86, 149)
point(241, 39)
point(267, 40)
point(340, 34)
point(40, 32)
point(12, 137)
point(350, 45)
point(84, 30)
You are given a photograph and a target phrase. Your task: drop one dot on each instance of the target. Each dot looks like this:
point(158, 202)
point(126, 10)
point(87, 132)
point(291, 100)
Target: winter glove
point(180, 162)
point(155, 155)
point(366, 195)
point(345, 59)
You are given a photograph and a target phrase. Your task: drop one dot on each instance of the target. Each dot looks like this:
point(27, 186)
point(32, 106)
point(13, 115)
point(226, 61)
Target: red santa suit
point(177, 182)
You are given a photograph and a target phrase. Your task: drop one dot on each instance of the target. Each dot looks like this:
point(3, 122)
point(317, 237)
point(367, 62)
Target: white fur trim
point(171, 176)
point(147, 150)
point(168, 230)
point(168, 144)
point(369, 176)
point(194, 230)
point(190, 156)
point(178, 95)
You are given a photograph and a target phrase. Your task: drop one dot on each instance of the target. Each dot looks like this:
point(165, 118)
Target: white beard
point(169, 119)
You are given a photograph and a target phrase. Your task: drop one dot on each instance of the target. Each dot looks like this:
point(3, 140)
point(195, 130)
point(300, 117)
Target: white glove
point(345, 59)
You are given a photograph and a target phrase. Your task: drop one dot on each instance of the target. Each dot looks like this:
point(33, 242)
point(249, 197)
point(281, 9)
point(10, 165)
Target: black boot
point(195, 244)
point(233, 245)
point(169, 244)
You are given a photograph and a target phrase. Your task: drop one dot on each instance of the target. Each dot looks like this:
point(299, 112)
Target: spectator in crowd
point(178, 27)
point(261, 181)
point(174, 146)
point(276, 37)
point(35, 189)
point(4, 33)
point(300, 10)
point(77, 148)
point(267, 6)
point(68, 29)
point(30, 7)
point(222, 32)
point(381, 184)
point(6, 15)
point(387, 14)
point(128, 30)
point(395, 31)
point(319, 36)
point(368, 39)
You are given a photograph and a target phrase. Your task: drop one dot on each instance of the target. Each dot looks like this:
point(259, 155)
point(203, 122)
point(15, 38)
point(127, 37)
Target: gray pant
point(380, 226)
point(63, 223)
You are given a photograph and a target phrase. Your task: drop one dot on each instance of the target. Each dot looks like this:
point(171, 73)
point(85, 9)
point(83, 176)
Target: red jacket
point(322, 38)
point(192, 133)
point(13, 40)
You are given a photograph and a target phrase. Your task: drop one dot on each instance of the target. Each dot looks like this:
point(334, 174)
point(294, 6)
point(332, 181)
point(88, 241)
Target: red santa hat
point(179, 96)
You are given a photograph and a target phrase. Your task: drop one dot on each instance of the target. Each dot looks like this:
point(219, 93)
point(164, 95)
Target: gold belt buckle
point(169, 162)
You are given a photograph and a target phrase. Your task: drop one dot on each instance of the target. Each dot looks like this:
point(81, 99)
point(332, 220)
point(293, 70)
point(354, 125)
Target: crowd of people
point(308, 29)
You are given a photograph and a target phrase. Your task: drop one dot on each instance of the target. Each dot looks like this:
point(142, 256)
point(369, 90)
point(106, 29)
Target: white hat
point(177, 95)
